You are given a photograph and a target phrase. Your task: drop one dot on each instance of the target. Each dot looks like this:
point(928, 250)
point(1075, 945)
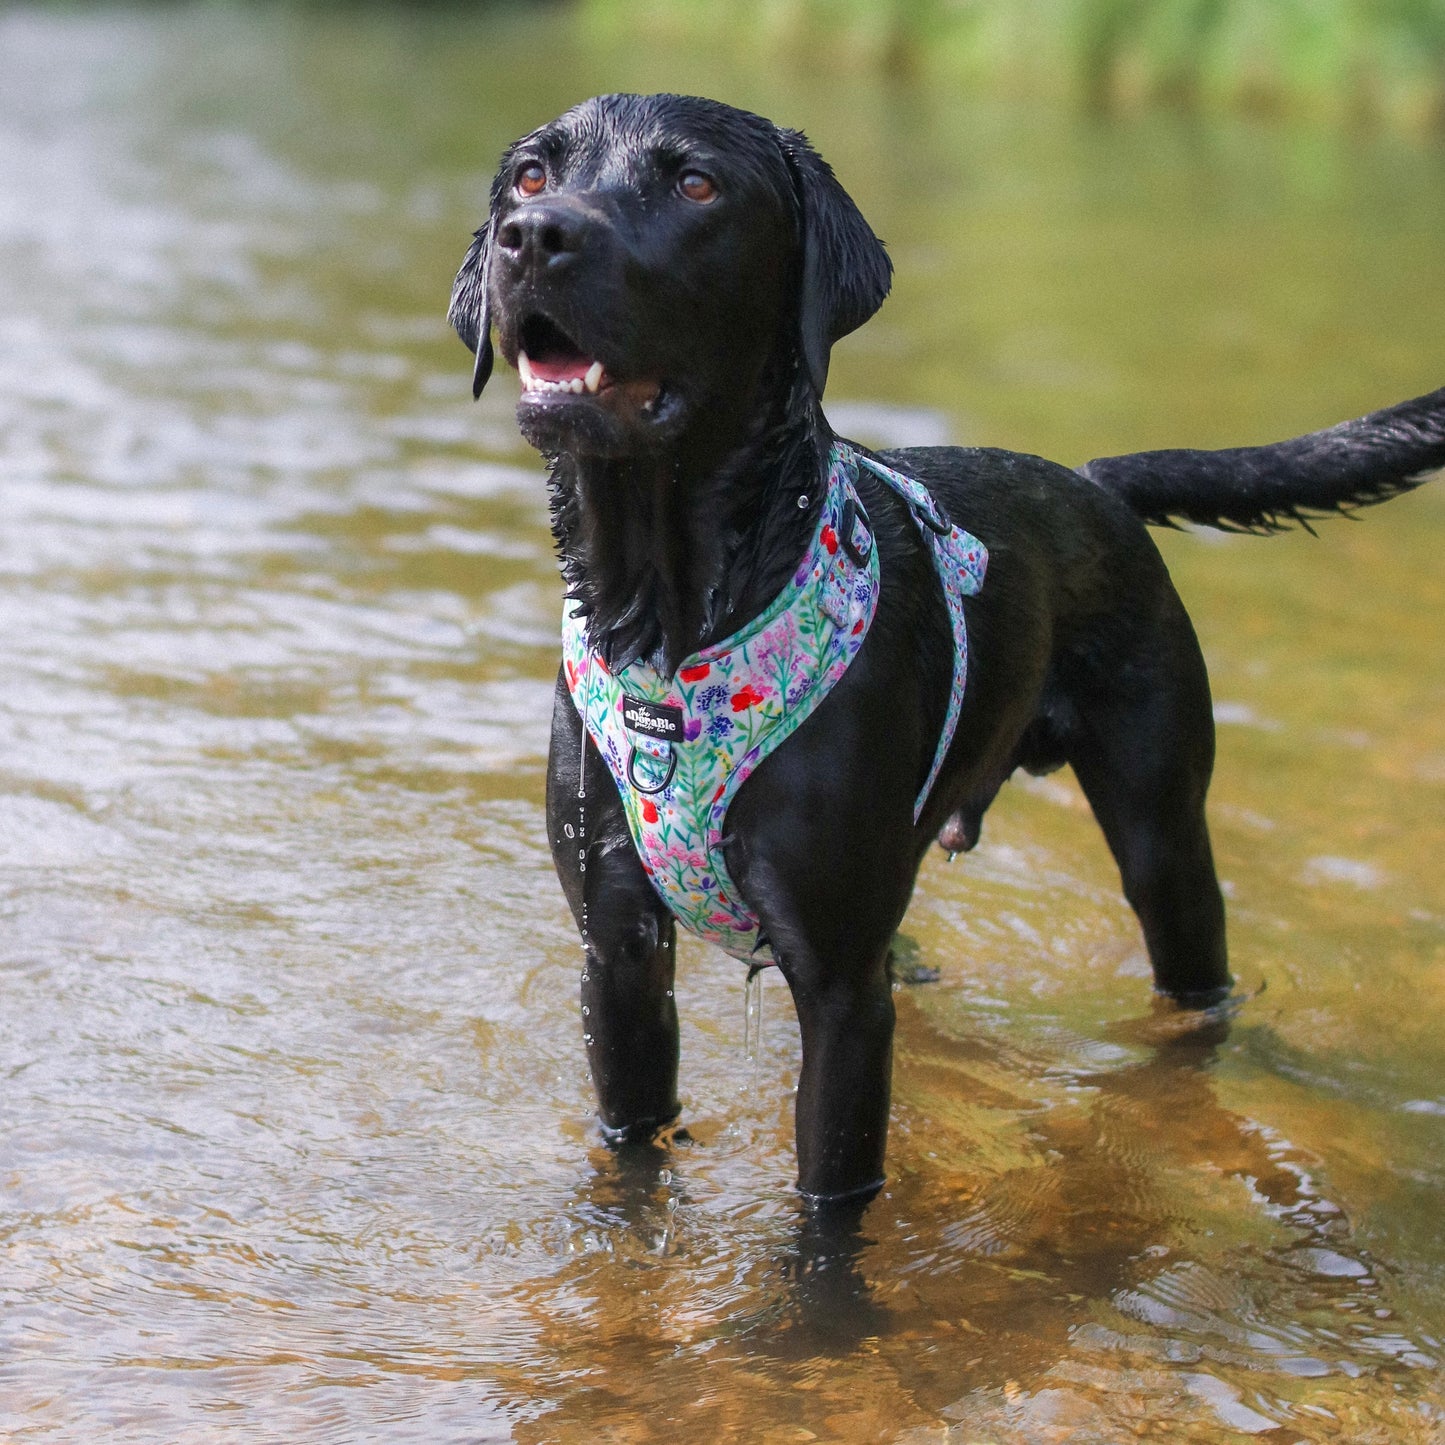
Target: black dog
point(669, 275)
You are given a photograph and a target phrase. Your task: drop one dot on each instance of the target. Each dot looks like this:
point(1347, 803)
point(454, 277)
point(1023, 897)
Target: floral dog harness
point(679, 748)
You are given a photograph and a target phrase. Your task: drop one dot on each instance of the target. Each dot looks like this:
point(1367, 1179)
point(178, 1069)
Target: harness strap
point(960, 560)
point(679, 748)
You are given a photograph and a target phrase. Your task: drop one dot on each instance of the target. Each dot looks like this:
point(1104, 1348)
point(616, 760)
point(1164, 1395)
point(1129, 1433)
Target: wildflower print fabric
point(680, 747)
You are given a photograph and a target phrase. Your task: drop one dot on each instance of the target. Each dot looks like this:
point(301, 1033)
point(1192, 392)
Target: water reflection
point(1075, 1291)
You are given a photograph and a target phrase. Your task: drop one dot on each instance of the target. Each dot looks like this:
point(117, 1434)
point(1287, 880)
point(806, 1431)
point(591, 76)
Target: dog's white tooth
point(593, 379)
point(575, 386)
point(524, 370)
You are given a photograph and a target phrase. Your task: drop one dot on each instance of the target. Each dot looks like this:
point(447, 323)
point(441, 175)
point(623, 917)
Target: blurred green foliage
point(1345, 60)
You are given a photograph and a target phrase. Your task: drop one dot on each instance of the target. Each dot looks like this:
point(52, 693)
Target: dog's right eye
point(697, 187)
point(531, 180)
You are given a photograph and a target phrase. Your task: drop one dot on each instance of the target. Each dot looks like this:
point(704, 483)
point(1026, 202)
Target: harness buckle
point(933, 516)
point(854, 533)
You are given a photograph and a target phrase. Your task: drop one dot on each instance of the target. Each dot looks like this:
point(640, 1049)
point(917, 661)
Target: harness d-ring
point(632, 763)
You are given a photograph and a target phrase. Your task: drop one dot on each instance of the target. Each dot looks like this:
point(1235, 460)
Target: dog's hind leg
point(1142, 748)
point(629, 1015)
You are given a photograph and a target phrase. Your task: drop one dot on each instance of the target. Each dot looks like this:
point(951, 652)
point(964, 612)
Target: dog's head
point(647, 259)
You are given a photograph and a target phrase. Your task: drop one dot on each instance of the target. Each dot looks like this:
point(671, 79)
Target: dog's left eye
point(697, 187)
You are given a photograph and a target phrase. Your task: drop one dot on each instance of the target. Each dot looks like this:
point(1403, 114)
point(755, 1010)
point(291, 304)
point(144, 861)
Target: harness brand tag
point(652, 719)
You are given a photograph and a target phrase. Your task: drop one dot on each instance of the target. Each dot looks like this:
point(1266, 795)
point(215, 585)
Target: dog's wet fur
point(670, 274)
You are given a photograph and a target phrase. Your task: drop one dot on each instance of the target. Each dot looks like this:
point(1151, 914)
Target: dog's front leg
point(846, 1019)
point(629, 1016)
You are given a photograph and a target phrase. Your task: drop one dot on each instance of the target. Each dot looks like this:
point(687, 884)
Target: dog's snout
point(542, 236)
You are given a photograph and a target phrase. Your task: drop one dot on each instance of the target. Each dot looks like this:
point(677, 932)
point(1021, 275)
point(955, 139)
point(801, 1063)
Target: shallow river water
point(297, 1138)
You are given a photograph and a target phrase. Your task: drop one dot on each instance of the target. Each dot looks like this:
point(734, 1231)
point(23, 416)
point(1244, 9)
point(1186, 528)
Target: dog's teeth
point(524, 370)
point(593, 379)
point(575, 386)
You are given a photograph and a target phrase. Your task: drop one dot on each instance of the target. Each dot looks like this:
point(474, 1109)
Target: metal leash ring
point(665, 783)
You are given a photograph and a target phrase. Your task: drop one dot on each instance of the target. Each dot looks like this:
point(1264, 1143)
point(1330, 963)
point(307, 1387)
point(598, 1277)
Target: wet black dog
point(669, 274)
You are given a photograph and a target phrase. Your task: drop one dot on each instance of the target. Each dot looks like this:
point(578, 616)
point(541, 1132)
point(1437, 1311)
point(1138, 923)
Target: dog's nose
point(542, 236)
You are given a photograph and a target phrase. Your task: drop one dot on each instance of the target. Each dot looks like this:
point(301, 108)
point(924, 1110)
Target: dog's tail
point(1266, 489)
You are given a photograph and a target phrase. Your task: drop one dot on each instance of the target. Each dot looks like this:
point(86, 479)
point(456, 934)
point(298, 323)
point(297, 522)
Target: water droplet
point(585, 1011)
point(803, 502)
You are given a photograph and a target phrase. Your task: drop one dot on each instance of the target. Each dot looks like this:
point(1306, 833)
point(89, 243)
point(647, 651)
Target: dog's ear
point(471, 312)
point(846, 272)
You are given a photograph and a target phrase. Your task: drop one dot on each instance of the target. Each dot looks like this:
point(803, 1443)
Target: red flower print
point(695, 674)
point(649, 811)
point(857, 627)
point(830, 540)
point(746, 697)
point(571, 675)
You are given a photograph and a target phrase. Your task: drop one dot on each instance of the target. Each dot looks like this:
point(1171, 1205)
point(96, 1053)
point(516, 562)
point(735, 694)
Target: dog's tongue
point(560, 367)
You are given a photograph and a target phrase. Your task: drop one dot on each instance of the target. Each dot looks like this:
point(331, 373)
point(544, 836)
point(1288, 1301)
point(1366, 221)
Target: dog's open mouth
point(551, 363)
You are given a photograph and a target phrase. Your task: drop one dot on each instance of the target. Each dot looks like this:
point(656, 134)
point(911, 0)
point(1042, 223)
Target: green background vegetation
point(1352, 61)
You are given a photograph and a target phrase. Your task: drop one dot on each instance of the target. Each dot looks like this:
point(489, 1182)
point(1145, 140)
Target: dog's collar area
point(680, 747)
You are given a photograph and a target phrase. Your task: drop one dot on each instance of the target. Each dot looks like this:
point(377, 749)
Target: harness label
point(652, 719)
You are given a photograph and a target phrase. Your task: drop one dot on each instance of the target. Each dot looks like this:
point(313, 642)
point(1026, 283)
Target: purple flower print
point(719, 727)
point(693, 728)
point(711, 697)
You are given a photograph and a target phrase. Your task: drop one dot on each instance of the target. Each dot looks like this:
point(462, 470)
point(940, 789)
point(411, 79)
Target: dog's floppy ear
point(846, 271)
point(471, 312)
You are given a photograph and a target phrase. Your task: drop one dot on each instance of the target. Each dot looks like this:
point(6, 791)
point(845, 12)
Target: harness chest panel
point(679, 748)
